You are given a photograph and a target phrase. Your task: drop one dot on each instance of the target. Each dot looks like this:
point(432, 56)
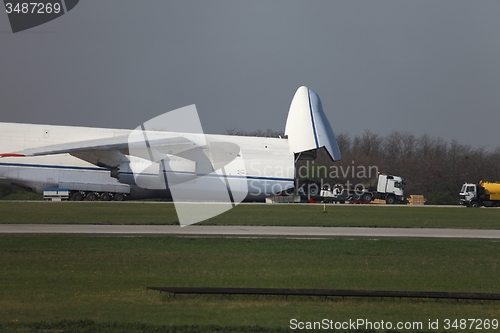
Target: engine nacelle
point(155, 176)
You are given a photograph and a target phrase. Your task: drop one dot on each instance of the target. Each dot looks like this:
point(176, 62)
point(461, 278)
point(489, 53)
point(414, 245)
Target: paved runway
point(248, 231)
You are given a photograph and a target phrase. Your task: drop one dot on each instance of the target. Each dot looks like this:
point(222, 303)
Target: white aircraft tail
point(307, 126)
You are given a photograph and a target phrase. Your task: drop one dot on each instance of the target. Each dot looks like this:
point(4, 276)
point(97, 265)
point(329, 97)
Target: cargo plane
point(117, 164)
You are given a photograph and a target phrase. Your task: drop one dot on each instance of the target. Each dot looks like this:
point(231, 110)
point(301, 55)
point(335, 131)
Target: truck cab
point(482, 194)
point(468, 194)
point(390, 188)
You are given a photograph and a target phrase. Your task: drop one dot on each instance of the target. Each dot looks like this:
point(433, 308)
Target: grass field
point(57, 283)
point(98, 282)
point(248, 214)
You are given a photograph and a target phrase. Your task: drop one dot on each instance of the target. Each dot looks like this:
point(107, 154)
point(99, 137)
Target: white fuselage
point(148, 162)
point(269, 163)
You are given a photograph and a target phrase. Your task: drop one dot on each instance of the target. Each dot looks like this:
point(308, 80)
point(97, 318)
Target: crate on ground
point(379, 201)
point(416, 199)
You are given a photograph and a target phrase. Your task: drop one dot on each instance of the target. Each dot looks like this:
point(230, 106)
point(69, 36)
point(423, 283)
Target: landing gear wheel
point(367, 197)
point(105, 197)
point(390, 200)
point(76, 196)
point(313, 191)
point(119, 197)
point(91, 196)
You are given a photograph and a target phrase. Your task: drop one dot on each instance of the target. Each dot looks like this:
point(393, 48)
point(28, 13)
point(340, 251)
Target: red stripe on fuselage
point(12, 155)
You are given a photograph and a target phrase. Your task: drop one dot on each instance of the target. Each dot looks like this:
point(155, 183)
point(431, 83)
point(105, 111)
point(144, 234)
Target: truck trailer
point(482, 194)
point(389, 188)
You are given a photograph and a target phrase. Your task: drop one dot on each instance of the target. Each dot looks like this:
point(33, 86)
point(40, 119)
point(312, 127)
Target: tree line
point(429, 165)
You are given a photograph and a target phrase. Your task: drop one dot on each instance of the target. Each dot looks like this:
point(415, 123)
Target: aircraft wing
point(110, 152)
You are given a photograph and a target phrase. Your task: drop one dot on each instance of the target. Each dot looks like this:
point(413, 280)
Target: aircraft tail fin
point(307, 126)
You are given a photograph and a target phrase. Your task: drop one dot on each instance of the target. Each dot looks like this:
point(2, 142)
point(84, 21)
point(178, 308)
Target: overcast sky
point(418, 66)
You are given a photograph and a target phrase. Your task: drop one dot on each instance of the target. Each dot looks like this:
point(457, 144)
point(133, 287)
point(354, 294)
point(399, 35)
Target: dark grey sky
point(418, 66)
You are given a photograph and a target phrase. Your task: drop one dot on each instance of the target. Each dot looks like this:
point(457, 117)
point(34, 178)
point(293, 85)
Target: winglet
point(12, 155)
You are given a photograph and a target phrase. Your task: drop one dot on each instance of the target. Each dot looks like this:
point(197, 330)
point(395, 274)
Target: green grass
point(88, 212)
point(102, 280)
point(22, 195)
point(90, 326)
point(97, 284)
point(247, 214)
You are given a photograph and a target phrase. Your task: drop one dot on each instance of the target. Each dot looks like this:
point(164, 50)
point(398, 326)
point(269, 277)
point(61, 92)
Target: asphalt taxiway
point(248, 231)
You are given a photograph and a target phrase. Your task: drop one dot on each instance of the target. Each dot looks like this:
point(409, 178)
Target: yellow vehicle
point(483, 194)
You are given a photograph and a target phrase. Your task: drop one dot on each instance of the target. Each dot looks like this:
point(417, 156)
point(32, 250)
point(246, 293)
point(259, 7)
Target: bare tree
point(344, 142)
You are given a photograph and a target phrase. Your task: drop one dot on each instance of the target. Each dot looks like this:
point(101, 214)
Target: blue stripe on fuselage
point(78, 168)
point(312, 119)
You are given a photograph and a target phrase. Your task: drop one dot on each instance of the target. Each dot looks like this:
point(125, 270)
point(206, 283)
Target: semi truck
point(481, 194)
point(389, 188)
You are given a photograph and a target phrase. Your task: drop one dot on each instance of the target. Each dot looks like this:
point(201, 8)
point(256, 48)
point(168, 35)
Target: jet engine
point(155, 175)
